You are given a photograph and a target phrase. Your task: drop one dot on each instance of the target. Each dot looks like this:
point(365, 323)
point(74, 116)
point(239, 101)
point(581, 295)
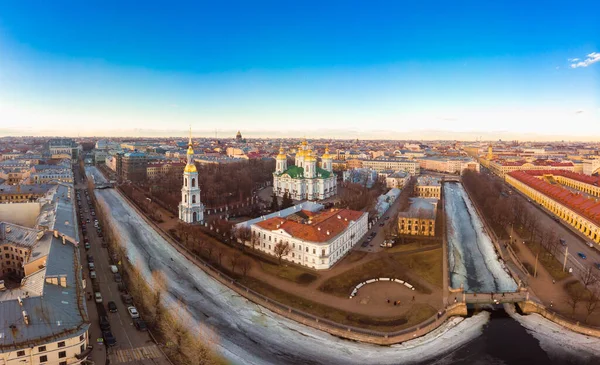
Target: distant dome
point(238, 135)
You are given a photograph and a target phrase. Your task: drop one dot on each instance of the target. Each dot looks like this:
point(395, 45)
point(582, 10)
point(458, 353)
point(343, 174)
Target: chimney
point(55, 234)
point(20, 301)
point(63, 239)
point(40, 235)
point(26, 317)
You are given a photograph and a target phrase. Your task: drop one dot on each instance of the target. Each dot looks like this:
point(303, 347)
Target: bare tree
point(220, 254)
point(234, 260)
point(245, 265)
point(158, 286)
point(574, 298)
point(592, 303)
point(282, 249)
point(588, 278)
point(243, 234)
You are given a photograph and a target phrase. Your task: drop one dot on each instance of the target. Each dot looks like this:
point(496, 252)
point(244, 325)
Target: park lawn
point(416, 314)
point(402, 247)
point(549, 262)
point(392, 266)
point(289, 272)
point(426, 265)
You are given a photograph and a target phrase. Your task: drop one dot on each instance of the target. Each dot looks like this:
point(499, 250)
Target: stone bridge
point(495, 298)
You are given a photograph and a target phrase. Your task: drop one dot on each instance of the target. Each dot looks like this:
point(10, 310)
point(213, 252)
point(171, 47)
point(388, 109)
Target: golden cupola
point(308, 157)
point(281, 155)
point(327, 156)
point(190, 166)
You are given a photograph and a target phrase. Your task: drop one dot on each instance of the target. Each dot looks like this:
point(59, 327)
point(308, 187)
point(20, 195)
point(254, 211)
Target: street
point(132, 345)
point(575, 242)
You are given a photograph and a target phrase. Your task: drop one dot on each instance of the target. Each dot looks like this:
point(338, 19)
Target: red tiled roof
point(592, 180)
point(587, 207)
point(332, 221)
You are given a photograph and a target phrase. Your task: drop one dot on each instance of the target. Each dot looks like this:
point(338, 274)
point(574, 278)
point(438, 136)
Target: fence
point(346, 331)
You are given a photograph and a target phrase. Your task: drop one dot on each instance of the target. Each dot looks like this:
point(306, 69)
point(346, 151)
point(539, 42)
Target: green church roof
point(296, 172)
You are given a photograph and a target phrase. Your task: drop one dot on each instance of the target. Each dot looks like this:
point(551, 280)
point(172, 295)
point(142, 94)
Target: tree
point(286, 201)
point(575, 296)
point(245, 265)
point(243, 234)
point(220, 254)
point(588, 278)
point(234, 260)
point(158, 286)
point(592, 303)
point(282, 249)
point(274, 203)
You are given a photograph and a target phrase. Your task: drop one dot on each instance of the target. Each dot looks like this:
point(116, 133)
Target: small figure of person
point(388, 301)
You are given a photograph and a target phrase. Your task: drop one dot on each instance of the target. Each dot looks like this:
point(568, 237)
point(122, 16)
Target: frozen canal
point(472, 259)
point(246, 333)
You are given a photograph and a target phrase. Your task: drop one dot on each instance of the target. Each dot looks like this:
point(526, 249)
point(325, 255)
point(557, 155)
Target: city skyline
point(352, 71)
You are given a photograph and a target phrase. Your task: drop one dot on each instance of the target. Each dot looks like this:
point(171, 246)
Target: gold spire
point(190, 150)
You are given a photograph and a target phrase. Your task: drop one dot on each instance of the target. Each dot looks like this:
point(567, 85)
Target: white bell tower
point(191, 210)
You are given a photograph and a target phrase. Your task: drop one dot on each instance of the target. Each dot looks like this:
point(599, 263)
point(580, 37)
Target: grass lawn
point(426, 265)
point(402, 247)
point(289, 272)
point(418, 313)
point(398, 265)
point(549, 262)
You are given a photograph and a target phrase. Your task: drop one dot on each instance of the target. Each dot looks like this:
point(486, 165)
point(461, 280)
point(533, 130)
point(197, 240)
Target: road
point(575, 241)
point(128, 337)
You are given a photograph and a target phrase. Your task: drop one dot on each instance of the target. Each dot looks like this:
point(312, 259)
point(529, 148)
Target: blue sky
point(284, 68)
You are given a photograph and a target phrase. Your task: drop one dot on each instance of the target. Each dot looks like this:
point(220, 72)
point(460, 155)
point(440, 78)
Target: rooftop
point(587, 207)
point(421, 208)
point(321, 227)
point(428, 181)
point(50, 296)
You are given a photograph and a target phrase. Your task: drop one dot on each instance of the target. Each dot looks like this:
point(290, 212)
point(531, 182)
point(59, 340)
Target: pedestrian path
point(135, 354)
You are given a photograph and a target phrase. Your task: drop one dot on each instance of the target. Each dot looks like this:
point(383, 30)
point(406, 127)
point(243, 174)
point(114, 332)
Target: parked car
point(386, 243)
point(597, 264)
point(140, 324)
point(126, 298)
point(114, 269)
point(98, 297)
point(104, 323)
point(109, 339)
point(133, 312)
point(118, 278)
point(563, 242)
point(590, 244)
point(381, 224)
point(87, 245)
point(90, 258)
point(582, 255)
point(112, 307)
point(91, 266)
point(92, 274)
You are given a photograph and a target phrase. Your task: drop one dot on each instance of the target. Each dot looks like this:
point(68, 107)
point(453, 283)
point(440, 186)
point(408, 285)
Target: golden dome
point(309, 157)
point(327, 155)
point(281, 155)
point(190, 150)
point(304, 143)
point(190, 168)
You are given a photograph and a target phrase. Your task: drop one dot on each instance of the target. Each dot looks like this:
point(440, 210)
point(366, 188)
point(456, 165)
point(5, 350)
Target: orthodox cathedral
point(305, 180)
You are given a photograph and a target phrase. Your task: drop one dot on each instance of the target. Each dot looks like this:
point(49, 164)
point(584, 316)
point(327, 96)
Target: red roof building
point(582, 205)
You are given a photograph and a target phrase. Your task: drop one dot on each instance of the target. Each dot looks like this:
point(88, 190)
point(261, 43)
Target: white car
point(114, 269)
point(91, 266)
point(92, 274)
point(98, 297)
point(590, 245)
point(133, 312)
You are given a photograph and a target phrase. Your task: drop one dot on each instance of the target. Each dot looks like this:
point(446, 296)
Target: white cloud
point(589, 60)
point(578, 111)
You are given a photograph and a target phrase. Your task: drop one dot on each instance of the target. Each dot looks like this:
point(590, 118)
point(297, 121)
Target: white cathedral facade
point(305, 180)
point(191, 209)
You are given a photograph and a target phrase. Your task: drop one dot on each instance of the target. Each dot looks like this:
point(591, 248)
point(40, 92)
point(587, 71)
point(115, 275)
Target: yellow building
point(581, 212)
point(419, 219)
point(428, 187)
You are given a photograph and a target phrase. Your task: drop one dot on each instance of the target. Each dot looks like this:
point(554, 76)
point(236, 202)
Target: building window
point(61, 344)
point(62, 363)
point(62, 354)
point(20, 353)
point(82, 348)
point(41, 348)
point(43, 358)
